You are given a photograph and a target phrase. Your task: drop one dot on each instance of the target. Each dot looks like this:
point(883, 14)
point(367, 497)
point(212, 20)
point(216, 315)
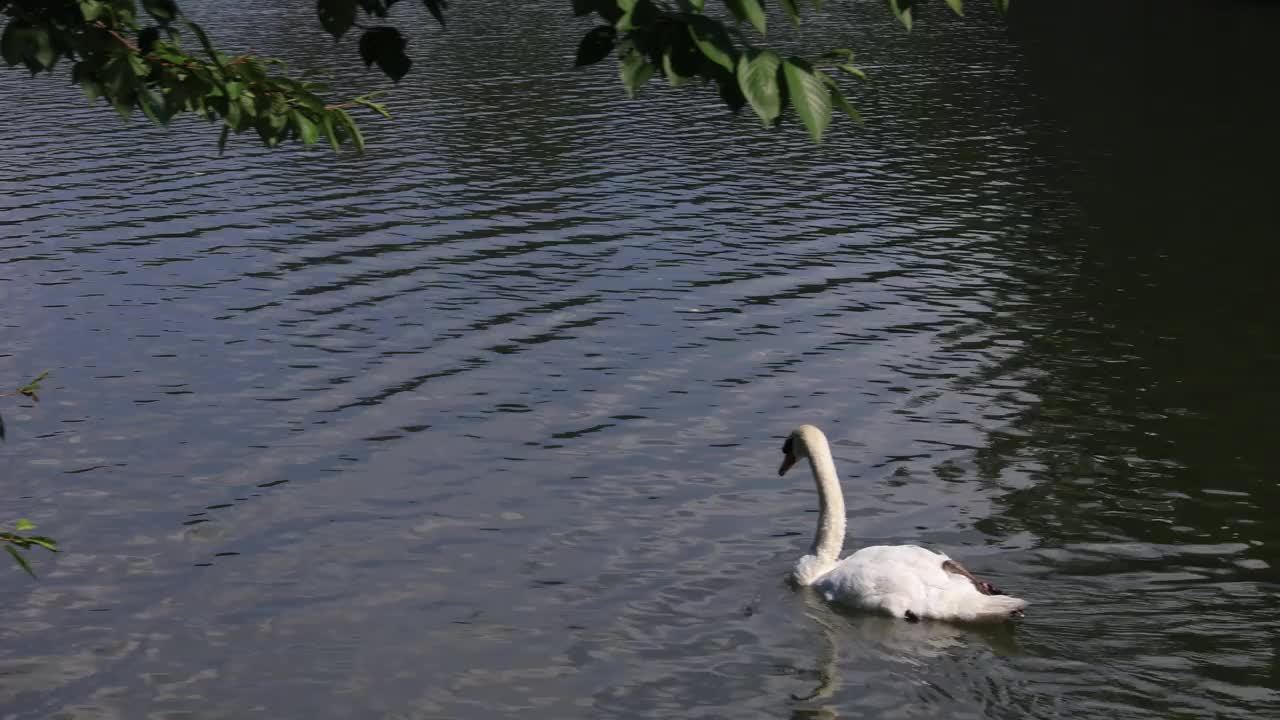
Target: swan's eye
point(786, 447)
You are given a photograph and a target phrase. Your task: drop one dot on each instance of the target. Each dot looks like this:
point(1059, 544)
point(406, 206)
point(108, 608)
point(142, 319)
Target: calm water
point(485, 423)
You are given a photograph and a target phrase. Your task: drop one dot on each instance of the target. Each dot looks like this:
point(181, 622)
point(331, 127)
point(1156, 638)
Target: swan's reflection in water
point(874, 638)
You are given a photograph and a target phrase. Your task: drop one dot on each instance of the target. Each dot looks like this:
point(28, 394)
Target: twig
point(123, 40)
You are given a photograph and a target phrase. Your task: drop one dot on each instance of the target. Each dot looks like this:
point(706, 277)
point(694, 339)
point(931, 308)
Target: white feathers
point(906, 581)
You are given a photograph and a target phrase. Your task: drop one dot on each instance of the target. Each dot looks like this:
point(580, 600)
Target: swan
point(907, 581)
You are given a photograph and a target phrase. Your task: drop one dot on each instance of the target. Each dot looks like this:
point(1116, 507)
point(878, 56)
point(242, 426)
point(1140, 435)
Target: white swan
point(907, 581)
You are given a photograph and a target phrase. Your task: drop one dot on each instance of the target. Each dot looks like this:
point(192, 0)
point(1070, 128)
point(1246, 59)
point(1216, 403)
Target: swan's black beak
point(787, 461)
point(788, 457)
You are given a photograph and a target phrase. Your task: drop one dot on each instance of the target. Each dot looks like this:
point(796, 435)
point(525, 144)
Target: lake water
point(486, 422)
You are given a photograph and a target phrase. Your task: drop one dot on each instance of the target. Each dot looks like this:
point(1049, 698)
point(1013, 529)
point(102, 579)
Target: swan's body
point(907, 581)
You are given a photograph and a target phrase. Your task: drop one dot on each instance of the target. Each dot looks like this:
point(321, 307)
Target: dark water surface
point(484, 423)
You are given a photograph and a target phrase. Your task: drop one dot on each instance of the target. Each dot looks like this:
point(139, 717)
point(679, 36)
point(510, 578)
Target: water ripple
point(483, 422)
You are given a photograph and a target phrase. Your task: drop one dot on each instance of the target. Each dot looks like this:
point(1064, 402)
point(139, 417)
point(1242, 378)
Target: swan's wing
point(898, 578)
point(953, 593)
point(894, 578)
point(982, 586)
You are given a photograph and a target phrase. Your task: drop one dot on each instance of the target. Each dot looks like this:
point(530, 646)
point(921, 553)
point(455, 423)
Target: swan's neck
point(829, 537)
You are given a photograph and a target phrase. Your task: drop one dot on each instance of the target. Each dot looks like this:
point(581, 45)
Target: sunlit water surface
point(485, 422)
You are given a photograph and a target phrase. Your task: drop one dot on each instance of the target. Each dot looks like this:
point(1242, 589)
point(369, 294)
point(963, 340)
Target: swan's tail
point(998, 607)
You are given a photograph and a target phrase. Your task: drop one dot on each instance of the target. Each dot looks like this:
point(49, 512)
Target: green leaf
point(758, 79)
point(385, 45)
point(854, 71)
point(356, 138)
point(92, 9)
point(138, 66)
point(437, 8)
point(41, 52)
point(367, 101)
point(750, 11)
point(204, 43)
point(809, 95)
point(957, 6)
point(680, 54)
point(278, 120)
point(30, 388)
point(232, 116)
point(596, 45)
point(34, 385)
point(271, 126)
point(1002, 6)
point(711, 38)
point(902, 10)
point(24, 525)
point(793, 10)
point(306, 129)
point(624, 22)
point(635, 71)
point(730, 93)
point(164, 11)
point(92, 90)
point(635, 14)
point(331, 132)
point(124, 105)
point(674, 76)
point(152, 102)
point(147, 39)
point(336, 16)
point(22, 561)
point(13, 41)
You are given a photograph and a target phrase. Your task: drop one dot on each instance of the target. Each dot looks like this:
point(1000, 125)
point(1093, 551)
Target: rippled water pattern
point(484, 423)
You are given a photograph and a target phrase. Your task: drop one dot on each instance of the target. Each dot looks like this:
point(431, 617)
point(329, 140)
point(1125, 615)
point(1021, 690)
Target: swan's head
point(797, 446)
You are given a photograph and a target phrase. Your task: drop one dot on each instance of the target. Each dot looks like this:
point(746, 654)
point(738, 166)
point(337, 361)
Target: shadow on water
point(1136, 434)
